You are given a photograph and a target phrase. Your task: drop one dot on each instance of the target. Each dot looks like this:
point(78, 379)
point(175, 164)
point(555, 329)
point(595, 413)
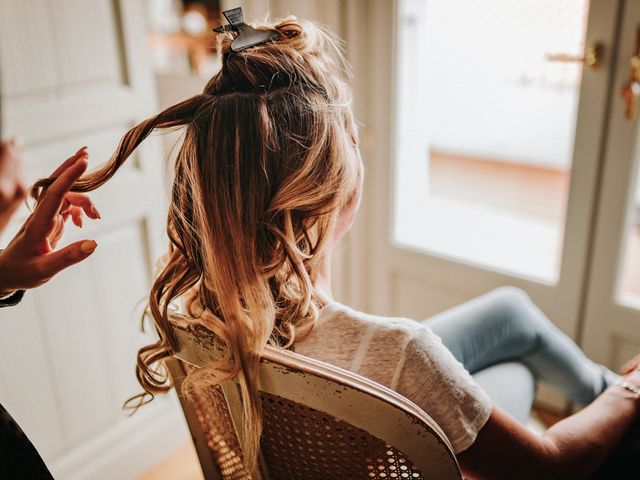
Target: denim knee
point(513, 309)
point(511, 302)
point(510, 294)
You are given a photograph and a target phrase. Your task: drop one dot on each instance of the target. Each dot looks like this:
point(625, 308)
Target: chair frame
point(337, 392)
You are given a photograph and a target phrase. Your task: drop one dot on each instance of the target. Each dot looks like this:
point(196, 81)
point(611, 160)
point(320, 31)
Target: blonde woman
point(267, 182)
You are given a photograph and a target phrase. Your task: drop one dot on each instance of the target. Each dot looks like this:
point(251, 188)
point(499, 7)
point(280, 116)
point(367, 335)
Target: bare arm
point(572, 448)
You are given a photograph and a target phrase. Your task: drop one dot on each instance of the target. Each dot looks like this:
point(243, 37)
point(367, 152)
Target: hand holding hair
point(30, 260)
point(12, 189)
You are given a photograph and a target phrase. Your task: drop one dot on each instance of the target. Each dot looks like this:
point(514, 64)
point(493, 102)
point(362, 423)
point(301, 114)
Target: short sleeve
point(433, 379)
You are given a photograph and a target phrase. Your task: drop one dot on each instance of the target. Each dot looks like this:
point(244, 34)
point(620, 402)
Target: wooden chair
point(320, 422)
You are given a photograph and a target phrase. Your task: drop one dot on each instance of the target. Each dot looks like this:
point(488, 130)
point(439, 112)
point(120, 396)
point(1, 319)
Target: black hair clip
point(247, 36)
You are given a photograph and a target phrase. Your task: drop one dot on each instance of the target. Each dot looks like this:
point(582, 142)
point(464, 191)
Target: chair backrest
point(320, 421)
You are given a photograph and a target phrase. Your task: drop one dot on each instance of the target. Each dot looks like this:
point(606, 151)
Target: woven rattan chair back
point(320, 422)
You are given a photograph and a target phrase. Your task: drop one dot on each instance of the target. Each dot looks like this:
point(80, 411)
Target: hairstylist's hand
point(30, 259)
point(12, 189)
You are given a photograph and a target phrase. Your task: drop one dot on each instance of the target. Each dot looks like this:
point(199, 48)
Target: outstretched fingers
point(43, 219)
point(79, 202)
point(83, 151)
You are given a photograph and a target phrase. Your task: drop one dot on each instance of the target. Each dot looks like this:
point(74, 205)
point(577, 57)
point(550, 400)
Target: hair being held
point(265, 167)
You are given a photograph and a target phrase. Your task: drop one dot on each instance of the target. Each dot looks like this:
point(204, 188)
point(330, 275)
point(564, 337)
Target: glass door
point(612, 307)
point(495, 135)
point(499, 112)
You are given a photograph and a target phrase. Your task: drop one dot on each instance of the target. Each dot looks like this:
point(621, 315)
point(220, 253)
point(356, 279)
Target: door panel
point(483, 162)
point(72, 339)
point(76, 66)
point(28, 392)
point(100, 338)
point(612, 316)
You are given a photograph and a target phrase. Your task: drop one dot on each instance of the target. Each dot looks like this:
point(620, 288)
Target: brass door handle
point(630, 91)
point(593, 56)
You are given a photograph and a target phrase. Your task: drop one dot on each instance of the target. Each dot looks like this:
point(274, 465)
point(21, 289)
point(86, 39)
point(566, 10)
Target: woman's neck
point(323, 280)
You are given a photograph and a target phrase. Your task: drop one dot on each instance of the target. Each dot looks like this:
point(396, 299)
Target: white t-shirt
point(407, 357)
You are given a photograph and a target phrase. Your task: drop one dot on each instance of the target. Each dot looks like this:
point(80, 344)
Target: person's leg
point(511, 385)
point(505, 325)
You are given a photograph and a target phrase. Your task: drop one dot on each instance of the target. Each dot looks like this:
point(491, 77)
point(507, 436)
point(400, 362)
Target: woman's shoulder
point(370, 345)
point(337, 314)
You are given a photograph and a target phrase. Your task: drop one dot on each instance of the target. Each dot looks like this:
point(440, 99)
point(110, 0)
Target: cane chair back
point(320, 422)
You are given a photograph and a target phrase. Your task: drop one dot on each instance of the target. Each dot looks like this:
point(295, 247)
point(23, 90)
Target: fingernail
point(95, 211)
point(88, 247)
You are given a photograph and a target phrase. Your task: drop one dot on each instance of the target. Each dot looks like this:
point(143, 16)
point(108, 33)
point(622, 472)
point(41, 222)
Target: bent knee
point(511, 300)
point(511, 294)
point(512, 307)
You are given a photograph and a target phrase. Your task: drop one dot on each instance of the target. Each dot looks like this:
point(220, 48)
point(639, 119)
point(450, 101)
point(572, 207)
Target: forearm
point(579, 444)
point(572, 449)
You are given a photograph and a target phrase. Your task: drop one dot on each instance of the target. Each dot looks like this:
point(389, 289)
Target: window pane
point(485, 129)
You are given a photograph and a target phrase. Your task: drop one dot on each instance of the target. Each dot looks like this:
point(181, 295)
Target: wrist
point(632, 389)
point(629, 387)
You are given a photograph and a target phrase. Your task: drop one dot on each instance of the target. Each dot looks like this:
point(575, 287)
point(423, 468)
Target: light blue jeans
point(505, 341)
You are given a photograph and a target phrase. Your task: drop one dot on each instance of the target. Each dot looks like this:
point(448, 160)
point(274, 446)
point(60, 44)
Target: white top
point(407, 357)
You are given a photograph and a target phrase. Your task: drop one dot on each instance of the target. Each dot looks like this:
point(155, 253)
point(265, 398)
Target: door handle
point(630, 91)
point(593, 56)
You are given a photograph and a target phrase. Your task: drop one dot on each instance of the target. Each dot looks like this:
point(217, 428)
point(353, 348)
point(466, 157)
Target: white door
point(612, 316)
point(75, 72)
point(488, 175)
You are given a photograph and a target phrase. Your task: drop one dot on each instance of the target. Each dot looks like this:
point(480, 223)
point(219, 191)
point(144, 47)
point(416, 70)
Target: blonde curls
point(266, 164)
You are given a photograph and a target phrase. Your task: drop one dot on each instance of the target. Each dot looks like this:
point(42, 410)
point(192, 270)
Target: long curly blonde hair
point(265, 167)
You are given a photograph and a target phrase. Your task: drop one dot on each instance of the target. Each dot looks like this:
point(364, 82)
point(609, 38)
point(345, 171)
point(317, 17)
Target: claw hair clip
point(246, 36)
